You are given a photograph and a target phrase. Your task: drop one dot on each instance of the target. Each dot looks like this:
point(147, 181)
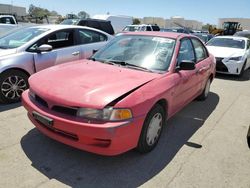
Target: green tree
point(83, 14)
point(136, 21)
point(37, 11)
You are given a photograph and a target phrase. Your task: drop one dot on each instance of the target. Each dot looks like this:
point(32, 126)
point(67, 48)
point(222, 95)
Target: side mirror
point(187, 65)
point(44, 48)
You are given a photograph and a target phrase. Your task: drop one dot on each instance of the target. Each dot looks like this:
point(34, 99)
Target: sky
point(205, 11)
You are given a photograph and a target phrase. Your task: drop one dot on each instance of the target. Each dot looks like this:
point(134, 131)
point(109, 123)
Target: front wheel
point(203, 96)
point(12, 84)
point(151, 130)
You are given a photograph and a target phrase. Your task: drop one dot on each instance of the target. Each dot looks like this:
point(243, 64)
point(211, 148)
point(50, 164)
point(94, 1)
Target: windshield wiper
point(123, 63)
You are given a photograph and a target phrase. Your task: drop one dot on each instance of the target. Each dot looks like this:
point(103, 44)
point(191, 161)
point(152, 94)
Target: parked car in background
point(143, 27)
point(232, 54)
point(122, 96)
point(102, 25)
point(204, 37)
point(8, 19)
point(243, 34)
point(8, 23)
point(177, 30)
point(118, 22)
point(29, 50)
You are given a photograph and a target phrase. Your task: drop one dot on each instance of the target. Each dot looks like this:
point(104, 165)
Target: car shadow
point(77, 168)
point(244, 77)
point(6, 107)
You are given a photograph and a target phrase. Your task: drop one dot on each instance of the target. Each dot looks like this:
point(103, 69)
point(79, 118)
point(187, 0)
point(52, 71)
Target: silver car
point(29, 50)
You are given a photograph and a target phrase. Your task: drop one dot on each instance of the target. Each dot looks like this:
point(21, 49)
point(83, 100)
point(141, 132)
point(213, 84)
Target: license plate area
point(43, 119)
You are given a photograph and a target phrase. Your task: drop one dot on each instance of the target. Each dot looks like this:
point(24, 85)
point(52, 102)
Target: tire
point(12, 84)
point(150, 134)
point(203, 96)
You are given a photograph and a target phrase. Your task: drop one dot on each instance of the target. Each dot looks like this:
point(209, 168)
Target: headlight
point(108, 113)
point(235, 58)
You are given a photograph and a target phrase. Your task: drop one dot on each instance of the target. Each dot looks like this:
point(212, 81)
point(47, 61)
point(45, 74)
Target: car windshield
point(227, 42)
point(136, 51)
point(20, 37)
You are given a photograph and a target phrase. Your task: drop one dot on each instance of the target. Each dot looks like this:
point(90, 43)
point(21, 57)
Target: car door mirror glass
point(44, 48)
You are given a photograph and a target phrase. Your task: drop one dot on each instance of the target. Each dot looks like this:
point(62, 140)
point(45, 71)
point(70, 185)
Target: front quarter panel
point(143, 99)
point(21, 60)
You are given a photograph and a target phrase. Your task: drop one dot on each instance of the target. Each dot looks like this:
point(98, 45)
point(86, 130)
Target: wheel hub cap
point(154, 129)
point(13, 86)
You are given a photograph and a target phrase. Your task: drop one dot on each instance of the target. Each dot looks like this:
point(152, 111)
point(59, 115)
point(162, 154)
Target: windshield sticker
point(162, 40)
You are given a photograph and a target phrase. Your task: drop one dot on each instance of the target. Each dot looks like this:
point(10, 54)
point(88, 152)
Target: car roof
point(232, 37)
point(172, 35)
point(243, 32)
point(55, 27)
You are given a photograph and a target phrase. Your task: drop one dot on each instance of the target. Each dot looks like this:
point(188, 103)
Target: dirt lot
point(204, 145)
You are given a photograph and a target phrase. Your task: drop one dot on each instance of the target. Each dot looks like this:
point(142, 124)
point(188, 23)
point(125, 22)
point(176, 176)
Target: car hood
point(87, 83)
point(225, 52)
point(5, 52)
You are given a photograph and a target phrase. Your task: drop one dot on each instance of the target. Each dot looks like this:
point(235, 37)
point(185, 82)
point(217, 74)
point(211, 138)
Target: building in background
point(11, 9)
point(245, 22)
point(175, 21)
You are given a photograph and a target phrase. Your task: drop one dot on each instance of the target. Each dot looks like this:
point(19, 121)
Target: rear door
point(89, 40)
point(64, 49)
point(202, 63)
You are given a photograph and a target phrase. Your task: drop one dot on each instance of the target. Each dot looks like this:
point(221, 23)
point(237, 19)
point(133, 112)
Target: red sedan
point(121, 97)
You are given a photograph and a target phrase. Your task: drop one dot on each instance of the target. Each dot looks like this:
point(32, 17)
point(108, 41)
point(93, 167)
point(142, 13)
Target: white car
point(232, 54)
point(28, 50)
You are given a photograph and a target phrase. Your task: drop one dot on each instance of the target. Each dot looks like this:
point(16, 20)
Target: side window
point(149, 28)
point(200, 51)
point(59, 39)
point(143, 28)
point(186, 51)
point(88, 36)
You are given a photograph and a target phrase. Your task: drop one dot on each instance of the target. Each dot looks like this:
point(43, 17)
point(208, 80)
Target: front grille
point(65, 110)
point(41, 101)
point(220, 66)
point(60, 109)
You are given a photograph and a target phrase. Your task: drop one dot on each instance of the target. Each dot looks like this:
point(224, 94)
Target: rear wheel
point(151, 130)
point(205, 91)
point(12, 84)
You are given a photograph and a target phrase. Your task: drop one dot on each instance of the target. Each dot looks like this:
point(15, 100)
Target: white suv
point(142, 27)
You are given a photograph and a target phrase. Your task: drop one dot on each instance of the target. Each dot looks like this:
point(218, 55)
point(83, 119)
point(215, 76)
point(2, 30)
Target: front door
point(187, 81)
point(64, 50)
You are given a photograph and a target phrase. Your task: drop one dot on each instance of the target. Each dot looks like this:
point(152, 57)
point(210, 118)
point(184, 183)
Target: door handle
point(76, 53)
point(203, 69)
